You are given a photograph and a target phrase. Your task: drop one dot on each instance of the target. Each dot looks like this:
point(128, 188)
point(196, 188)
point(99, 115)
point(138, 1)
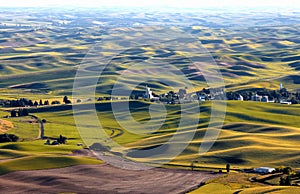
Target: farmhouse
point(264, 170)
point(256, 97)
point(241, 98)
point(202, 97)
point(285, 102)
point(149, 95)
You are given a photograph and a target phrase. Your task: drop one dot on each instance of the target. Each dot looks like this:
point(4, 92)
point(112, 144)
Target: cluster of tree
point(60, 140)
point(285, 170)
point(227, 168)
point(20, 113)
point(22, 102)
point(288, 175)
point(8, 138)
point(285, 181)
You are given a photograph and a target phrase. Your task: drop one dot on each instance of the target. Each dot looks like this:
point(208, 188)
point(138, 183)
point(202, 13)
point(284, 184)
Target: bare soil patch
point(5, 126)
point(102, 179)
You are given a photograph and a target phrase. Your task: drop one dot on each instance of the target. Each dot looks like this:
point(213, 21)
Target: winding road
point(42, 127)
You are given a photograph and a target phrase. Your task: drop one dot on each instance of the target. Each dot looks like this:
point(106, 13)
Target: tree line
point(23, 102)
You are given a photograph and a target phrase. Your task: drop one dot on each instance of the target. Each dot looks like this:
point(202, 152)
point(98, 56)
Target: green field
point(30, 150)
point(247, 138)
point(48, 67)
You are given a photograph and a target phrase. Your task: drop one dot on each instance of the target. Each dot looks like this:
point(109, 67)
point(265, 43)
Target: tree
point(66, 100)
point(61, 139)
point(25, 112)
point(20, 112)
point(193, 164)
point(46, 102)
point(282, 181)
point(8, 138)
point(47, 142)
point(206, 91)
point(13, 113)
point(285, 181)
point(288, 181)
point(36, 103)
point(41, 103)
point(55, 102)
point(228, 168)
point(132, 96)
point(294, 101)
point(287, 170)
point(171, 93)
point(30, 103)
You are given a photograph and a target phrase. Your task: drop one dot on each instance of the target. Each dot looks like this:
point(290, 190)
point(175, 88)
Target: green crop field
point(48, 67)
point(246, 134)
point(30, 150)
point(246, 139)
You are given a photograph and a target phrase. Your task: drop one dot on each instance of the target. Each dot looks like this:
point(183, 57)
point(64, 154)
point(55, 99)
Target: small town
point(281, 96)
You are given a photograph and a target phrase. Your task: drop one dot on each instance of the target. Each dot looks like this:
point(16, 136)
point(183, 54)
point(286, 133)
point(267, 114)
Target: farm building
point(241, 98)
point(264, 170)
point(256, 97)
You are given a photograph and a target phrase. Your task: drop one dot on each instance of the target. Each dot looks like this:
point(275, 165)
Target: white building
point(264, 170)
point(149, 95)
point(241, 98)
point(201, 98)
point(256, 97)
point(285, 102)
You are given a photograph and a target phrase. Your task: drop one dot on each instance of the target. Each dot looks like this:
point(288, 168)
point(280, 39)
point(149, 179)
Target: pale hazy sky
point(156, 3)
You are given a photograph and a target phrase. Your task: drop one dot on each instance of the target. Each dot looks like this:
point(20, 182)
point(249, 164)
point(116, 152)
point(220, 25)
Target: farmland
point(246, 133)
point(43, 51)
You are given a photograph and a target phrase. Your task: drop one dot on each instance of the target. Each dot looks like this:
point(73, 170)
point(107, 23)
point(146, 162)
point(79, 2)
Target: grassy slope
point(22, 155)
point(46, 161)
point(245, 60)
point(224, 189)
point(250, 131)
point(239, 183)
